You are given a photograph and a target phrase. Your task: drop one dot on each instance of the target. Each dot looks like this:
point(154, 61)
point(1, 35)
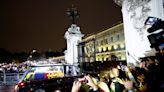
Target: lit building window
point(109, 47)
point(123, 57)
point(104, 59)
point(97, 59)
point(115, 46)
point(100, 59)
point(100, 49)
point(104, 48)
point(122, 46)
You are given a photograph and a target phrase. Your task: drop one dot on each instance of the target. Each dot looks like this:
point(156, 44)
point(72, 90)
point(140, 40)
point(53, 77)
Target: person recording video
point(89, 83)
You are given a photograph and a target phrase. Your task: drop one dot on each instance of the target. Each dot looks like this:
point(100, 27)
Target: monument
point(73, 37)
point(135, 13)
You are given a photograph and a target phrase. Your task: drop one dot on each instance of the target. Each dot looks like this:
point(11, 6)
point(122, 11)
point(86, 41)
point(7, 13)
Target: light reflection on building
point(106, 45)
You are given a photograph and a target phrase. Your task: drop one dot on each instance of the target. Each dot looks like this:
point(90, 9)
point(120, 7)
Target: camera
point(151, 20)
point(155, 39)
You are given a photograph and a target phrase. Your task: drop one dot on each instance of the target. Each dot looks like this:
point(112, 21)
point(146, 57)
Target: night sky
point(41, 24)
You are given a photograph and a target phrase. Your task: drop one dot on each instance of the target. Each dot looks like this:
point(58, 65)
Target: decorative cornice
point(112, 29)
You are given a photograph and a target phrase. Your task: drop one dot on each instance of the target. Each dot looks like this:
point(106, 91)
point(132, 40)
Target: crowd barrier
point(10, 78)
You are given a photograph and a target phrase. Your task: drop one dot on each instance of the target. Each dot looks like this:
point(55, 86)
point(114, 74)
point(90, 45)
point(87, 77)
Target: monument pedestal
point(73, 37)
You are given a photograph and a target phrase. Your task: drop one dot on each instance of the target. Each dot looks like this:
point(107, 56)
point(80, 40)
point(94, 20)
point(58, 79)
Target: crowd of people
point(22, 67)
point(13, 67)
point(147, 77)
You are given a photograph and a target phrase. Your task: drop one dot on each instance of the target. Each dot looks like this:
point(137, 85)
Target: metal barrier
point(10, 78)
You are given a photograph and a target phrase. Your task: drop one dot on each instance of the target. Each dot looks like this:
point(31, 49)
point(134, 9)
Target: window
point(102, 50)
point(106, 41)
point(119, 47)
point(111, 39)
point(118, 37)
point(112, 48)
point(119, 57)
point(101, 42)
point(107, 49)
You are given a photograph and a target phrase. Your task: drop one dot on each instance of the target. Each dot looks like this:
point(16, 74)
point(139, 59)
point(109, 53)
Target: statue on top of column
point(73, 14)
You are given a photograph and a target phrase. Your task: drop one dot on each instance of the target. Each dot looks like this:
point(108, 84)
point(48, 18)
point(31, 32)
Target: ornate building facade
point(107, 45)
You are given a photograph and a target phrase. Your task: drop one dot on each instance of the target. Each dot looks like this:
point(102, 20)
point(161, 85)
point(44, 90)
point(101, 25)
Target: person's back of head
point(162, 51)
point(94, 75)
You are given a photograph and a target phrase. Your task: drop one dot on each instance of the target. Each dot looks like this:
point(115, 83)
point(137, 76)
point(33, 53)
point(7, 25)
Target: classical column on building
point(134, 13)
point(73, 37)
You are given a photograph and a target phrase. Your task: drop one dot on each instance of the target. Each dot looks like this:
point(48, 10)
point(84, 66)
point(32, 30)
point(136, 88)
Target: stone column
point(134, 13)
point(73, 37)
